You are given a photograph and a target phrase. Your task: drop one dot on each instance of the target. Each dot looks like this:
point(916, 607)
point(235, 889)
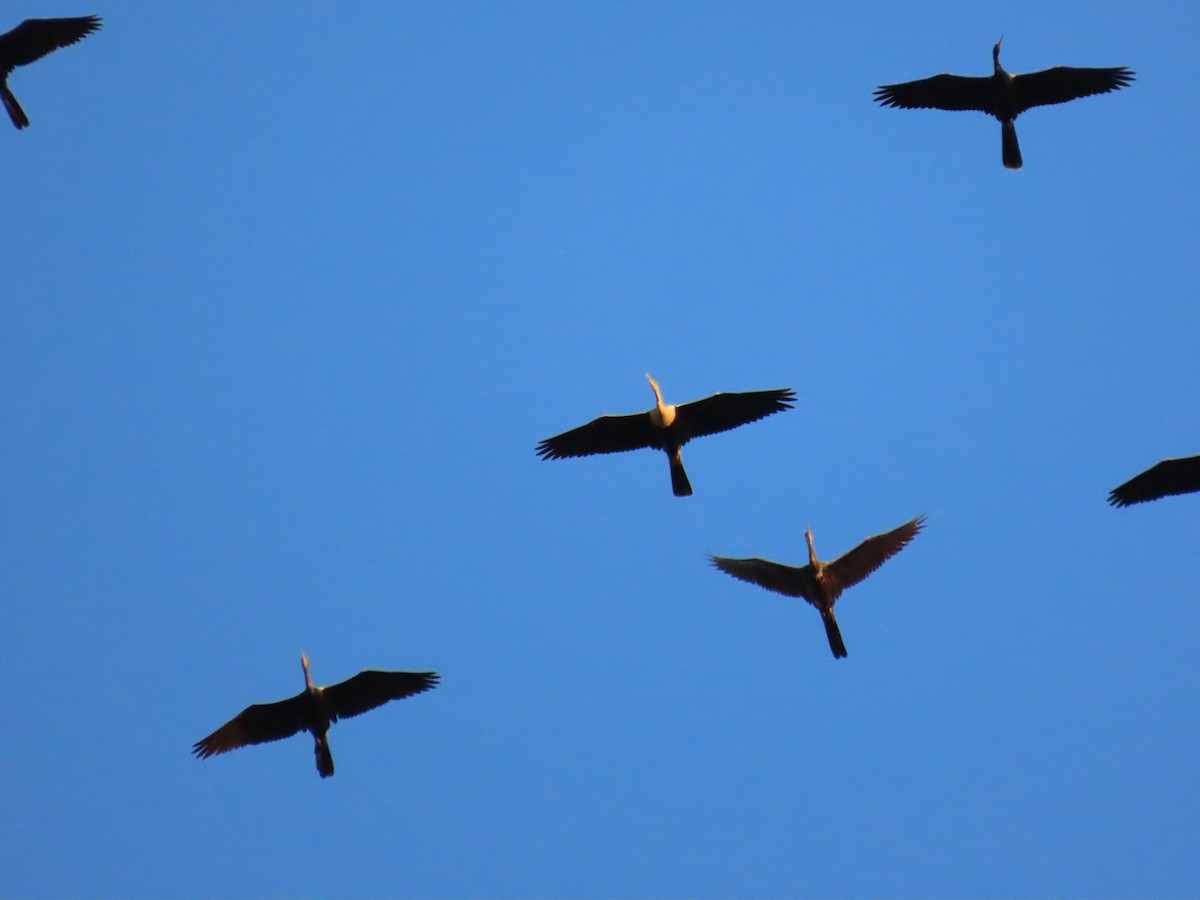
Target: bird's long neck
point(663, 414)
point(307, 677)
point(996, 67)
point(812, 553)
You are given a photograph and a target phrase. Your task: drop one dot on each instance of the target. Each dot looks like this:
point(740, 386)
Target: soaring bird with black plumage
point(314, 709)
point(821, 583)
point(667, 427)
point(30, 41)
point(1164, 479)
point(1003, 95)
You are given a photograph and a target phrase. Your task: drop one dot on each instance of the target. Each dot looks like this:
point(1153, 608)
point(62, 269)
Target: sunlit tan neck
point(663, 414)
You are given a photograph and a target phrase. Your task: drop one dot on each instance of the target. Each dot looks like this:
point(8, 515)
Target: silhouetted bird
point(667, 427)
point(314, 710)
point(1003, 95)
point(1171, 476)
point(821, 583)
point(31, 40)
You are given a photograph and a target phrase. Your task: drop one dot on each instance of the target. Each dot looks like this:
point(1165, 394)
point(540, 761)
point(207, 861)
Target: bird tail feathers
point(679, 480)
point(324, 757)
point(834, 634)
point(13, 107)
point(1010, 149)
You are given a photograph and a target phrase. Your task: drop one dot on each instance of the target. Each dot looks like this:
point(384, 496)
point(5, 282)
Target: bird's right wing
point(607, 434)
point(34, 38)
point(1163, 479)
point(763, 572)
point(729, 409)
point(257, 724)
point(1063, 83)
point(371, 688)
point(852, 567)
point(939, 92)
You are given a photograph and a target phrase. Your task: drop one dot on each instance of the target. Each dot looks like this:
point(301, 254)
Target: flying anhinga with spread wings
point(1003, 95)
point(821, 583)
point(314, 709)
point(30, 41)
point(1171, 476)
point(667, 427)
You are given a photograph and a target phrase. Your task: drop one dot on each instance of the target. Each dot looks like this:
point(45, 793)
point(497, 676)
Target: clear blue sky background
point(289, 292)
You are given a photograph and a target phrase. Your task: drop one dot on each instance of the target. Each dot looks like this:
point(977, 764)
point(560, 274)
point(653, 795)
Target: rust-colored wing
point(852, 567)
point(789, 580)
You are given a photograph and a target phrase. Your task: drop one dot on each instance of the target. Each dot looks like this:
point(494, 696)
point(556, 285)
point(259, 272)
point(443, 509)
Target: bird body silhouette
point(314, 710)
point(1004, 95)
point(30, 41)
point(821, 583)
point(1179, 475)
point(667, 427)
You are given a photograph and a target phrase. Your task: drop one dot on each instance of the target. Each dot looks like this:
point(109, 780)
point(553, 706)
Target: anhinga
point(1003, 95)
point(1171, 476)
point(667, 427)
point(314, 710)
point(30, 41)
point(821, 583)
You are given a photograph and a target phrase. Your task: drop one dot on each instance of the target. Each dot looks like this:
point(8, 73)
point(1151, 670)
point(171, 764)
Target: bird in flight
point(667, 427)
point(1163, 479)
point(821, 583)
point(1003, 95)
point(314, 709)
point(30, 41)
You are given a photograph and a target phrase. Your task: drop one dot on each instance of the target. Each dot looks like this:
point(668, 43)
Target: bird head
point(996, 52)
point(304, 663)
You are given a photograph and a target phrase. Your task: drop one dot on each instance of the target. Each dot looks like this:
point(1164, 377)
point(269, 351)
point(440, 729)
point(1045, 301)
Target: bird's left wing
point(943, 91)
point(724, 411)
point(370, 688)
point(1063, 83)
point(1171, 476)
point(34, 38)
point(763, 572)
point(607, 434)
point(852, 567)
point(255, 725)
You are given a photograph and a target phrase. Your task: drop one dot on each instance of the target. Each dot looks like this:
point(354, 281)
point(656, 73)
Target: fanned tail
point(13, 107)
point(834, 635)
point(679, 480)
point(324, 757)
point(1010, 149)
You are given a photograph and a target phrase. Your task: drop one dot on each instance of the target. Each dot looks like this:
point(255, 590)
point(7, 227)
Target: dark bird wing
point(369, 689)
point(257, 724)
point(1171, 476)
point(774, 576)
point(34, 38)
point(1063, 83)
point(852, 567)
point(607, 434)
point(939, 92)
point(724, 411)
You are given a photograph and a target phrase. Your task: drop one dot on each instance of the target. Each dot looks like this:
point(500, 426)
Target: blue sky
point(289, 294)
